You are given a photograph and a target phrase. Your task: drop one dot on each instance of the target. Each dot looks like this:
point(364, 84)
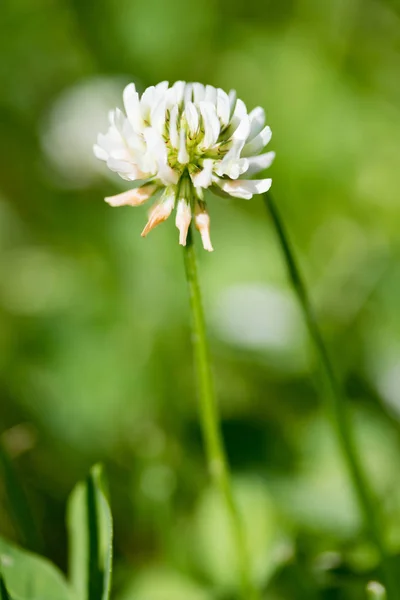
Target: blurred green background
point(95, 354)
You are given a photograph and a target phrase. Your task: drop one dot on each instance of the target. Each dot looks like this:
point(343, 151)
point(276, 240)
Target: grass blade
point(4, 595)
point(90, 538)
point(336, 406)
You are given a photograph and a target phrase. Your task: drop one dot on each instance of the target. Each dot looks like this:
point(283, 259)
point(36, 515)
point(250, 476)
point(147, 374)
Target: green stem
point(210, 420)
point(337, 406)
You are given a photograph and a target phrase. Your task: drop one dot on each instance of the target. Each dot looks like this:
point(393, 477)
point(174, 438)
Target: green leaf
point(20, 510)
point(29, 577)
point(4, 595)
point(90, 538)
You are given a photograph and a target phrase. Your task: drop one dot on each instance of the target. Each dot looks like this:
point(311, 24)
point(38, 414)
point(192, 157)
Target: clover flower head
point(177, 141)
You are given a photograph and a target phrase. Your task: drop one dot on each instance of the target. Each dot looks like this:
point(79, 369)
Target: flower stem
point(210, 421)
point(337, 408)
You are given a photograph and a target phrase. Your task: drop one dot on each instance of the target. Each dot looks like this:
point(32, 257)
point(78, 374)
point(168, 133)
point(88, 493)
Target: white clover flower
point(178, 141)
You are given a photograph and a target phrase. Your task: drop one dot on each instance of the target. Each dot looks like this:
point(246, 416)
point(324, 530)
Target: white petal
point(133, 141)
point(134, 197)
point(188, 94)
point(242, 131)
point(111, 141)
point(192, 118)
point(239, 168)
point(211, 124)
point(239, 116)
point(232, 165)
point(179, 89)
point(183, 155)
point(232, 102)
point(259, 142)
point(100, 152)
point(157, 154)
point(119, 120)
point(203, 179)
point(167, 175)
point(211, 94)
point(155, 145)
point(199, 92)
point(241, 188)
point(158, 116)
point(147, 101)
point(120, 166)
point(258, 163)
point(132, 106)
point(170, 97)
point(161, 87)
point(122, 154)
point(223, 106)
point(148, 96)
point(240, 109)
point(126, 169)
point(236, 168)
point(257, 122)
point(173, 126)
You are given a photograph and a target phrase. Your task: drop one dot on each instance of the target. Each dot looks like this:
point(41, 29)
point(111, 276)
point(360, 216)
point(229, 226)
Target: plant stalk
point(211, 422)
point(337, 406)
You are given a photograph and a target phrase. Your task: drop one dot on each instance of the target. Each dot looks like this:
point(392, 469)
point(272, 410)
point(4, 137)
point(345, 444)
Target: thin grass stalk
point(337, 407)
